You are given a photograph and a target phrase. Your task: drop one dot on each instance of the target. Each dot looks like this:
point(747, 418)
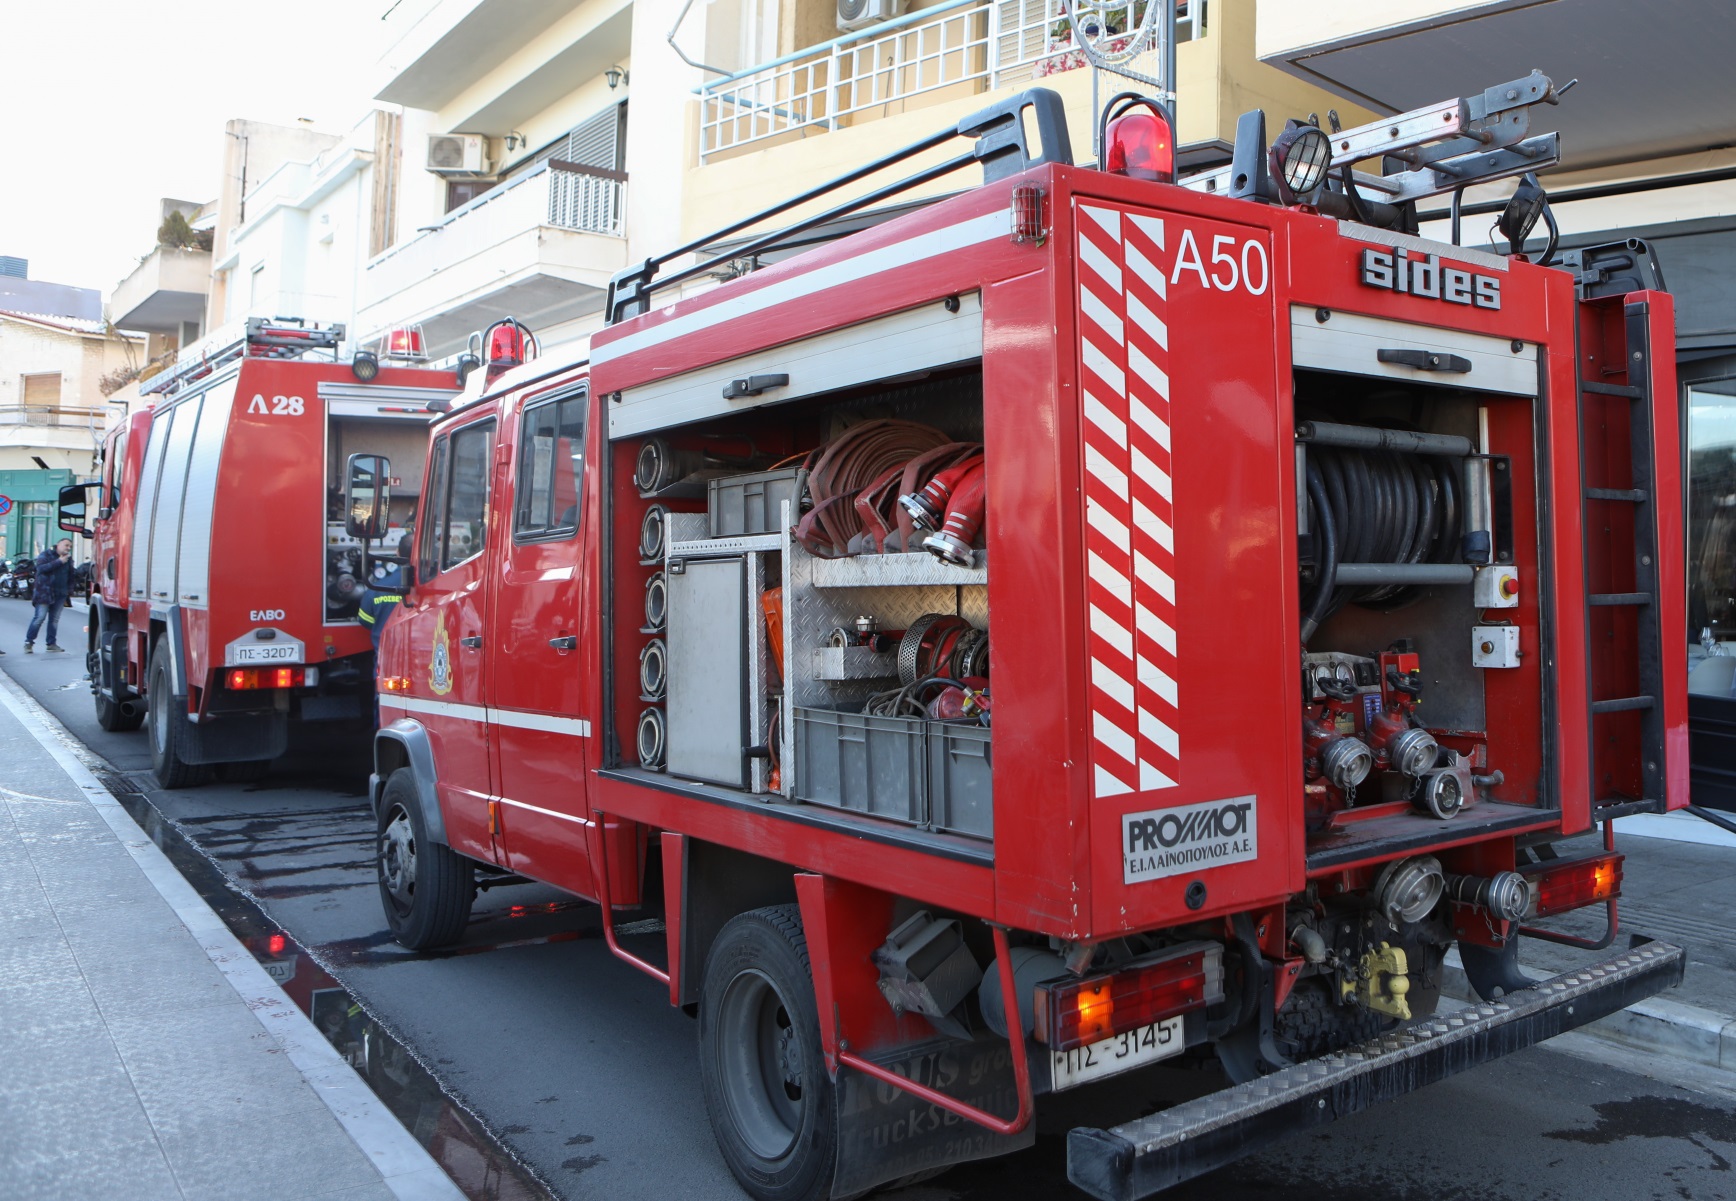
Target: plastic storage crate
point(868, 764)
point(742, 505)
point(960, 778)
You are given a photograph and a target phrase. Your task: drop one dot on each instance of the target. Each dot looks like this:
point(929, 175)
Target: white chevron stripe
point(1144, 369)
point(1106, 371)
point(1154, 628)
point(1107, 524)
point(1155, 679)
point(1102, 316)
point(1151, 473)
point(1150, 523)
point(1151, 227)
point(1157, 732)
point(1107, 473)
point(1112, 686)
point(1142, 318)
point(1112, 632)
point(1107, 578)
point(1099, 415)
point(1148, 272)
point(1153, 576)
point(1155, 427)
point(1114, 737)
point(1150, 779)
point(1098, 263)
point(1108, 785)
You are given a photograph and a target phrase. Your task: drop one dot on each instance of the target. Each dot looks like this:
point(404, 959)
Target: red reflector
point(241, 679)
point(1139, 144)
point(276, 943)
point(1558, 886)
point(1074, 1013)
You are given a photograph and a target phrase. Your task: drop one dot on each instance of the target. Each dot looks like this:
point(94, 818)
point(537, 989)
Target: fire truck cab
point(1326, 570)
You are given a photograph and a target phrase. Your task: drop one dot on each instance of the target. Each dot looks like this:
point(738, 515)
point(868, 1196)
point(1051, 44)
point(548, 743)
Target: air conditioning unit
point(458, 154)
point(854, 14)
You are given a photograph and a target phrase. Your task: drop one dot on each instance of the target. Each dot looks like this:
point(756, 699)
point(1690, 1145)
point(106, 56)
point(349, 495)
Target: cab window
point(460, 521)
point(551, 467)
point(114, 465)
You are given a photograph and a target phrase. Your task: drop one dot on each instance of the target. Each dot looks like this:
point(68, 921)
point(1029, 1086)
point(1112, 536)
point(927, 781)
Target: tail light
point(1558, 885)
point(245, 679)
point(1075, 1013)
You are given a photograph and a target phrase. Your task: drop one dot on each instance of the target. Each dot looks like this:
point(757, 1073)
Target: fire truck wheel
point(114, 719)
point(426, 887)
point(772, 1105)
point(169, 729)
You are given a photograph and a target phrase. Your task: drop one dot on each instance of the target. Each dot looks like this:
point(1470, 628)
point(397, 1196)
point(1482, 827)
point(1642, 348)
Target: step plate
point(1145, 1156)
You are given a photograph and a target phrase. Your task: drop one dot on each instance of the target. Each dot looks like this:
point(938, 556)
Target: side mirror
point(367, 495)
point(74, 499)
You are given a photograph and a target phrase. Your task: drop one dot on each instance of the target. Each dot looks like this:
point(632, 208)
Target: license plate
point(282, 650)
point(1117, 1053)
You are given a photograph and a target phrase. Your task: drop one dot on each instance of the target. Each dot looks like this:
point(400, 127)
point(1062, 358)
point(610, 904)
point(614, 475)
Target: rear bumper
point(1146, 1156)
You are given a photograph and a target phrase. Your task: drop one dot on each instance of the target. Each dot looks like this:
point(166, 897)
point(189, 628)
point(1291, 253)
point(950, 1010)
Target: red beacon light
point(507, 344)
point(405, 342)
point(1137, 139)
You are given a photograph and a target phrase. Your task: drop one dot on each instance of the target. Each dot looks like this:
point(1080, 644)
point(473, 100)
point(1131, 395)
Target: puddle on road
point(459, 1142)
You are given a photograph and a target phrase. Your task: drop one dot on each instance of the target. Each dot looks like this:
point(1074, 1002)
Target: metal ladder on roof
point(1623, 595)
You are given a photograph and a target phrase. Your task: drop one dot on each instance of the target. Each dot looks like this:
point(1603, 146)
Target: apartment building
point(1649, 152)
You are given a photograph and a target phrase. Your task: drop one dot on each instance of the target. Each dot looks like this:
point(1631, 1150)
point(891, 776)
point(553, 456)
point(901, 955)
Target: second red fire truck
point(1083, 623)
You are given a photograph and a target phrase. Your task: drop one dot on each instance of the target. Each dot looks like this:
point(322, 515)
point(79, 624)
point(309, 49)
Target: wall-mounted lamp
point(616, 75)
point(514, 140)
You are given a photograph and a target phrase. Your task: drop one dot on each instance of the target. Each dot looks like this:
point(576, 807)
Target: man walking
point(53, 583)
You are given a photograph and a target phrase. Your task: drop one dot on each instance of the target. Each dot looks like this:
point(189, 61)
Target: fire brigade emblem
point(440, 663)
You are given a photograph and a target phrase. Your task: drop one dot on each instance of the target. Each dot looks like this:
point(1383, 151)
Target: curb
point(1656, 1026)
point(406, 1168)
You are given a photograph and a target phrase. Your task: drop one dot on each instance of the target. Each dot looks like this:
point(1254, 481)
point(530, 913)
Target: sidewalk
point(143, 1052)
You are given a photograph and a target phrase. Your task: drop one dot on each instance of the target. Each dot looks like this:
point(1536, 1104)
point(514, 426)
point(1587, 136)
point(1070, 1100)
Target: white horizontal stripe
point(1107, 473)
point(1101, 315)
point(1111, 631)
point(1112, 686)
point(1108, 785)
point(1153, 576)
point(513, 718)
point(1105, 523)
point(1159, 733)
point(1151, 473)
point(1154, 678)
point(1099, 415)
point(1108, 219)
point(566, 817)
point(1150, 523)
point(1149, 274)
point(988, 227)
point(1107, 578)
point(1143, 318)
point(1106, 371)
point(1098, 263)
point(1150, 779)
point(1154, 628)
point(1112, 737)
point(1151, 227)
point(1155, 377)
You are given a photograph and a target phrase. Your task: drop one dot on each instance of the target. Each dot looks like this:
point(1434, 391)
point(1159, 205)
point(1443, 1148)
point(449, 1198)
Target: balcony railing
point(971, 45)
point(53, 415)
point(588, 199)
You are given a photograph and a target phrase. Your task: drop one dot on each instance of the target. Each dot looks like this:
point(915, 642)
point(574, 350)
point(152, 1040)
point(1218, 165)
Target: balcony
point(165, 293)
point(540, 247)
point(954, 49)
point(1651, 84)
point(54, 417)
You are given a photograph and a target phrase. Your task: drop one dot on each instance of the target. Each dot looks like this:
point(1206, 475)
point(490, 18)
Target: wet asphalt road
point(576, 1063)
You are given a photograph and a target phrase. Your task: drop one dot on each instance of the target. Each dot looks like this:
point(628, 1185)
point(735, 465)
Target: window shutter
point(596, 141)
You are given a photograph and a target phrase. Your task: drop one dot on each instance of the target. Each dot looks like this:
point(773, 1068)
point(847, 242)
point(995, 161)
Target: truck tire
point(427, 888)
point(773, 1108)
point(169, 729)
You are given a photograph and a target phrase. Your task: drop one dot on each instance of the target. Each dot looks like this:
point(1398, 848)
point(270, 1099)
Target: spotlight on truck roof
point(365, 365)
point(1138, 139)
point(1301, 156)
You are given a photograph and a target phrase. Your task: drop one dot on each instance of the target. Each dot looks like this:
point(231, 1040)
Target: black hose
point(1326, 552)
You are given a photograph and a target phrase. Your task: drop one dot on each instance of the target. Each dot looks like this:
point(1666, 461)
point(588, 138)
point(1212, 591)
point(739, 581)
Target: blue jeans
point(52, 613)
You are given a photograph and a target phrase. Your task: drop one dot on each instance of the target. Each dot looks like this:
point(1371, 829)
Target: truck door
point(536, 695)
point(448, 662)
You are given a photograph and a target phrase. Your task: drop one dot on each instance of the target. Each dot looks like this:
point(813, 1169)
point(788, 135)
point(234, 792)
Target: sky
point(106, 106)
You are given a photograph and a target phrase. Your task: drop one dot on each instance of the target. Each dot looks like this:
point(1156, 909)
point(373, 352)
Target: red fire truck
point(224, 590)
point(1331, 575)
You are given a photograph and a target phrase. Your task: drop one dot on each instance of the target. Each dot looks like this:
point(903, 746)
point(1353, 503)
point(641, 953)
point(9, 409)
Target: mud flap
point(885, 1133)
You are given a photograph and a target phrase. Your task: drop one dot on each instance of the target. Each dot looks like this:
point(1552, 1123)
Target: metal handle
point(1426, 360)
point(566, 642)
point(474, 641)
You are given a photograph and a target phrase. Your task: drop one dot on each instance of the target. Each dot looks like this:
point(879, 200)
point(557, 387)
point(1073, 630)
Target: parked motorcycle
point(19, 579)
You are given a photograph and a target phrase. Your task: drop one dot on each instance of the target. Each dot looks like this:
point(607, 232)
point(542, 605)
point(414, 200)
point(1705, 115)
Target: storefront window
point(1712, 537)
point(33, 526)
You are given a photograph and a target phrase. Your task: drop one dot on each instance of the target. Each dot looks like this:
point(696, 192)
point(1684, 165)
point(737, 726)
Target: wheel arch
point(405, 744)
point(716, 883)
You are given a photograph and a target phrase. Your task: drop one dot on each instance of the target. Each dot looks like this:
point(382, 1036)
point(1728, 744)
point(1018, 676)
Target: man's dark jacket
point(53, 579)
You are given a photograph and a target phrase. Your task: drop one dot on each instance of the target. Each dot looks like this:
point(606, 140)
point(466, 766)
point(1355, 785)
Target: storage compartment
point(868, 764)
point(707, 692)
point(740, 505)
point(961, 779)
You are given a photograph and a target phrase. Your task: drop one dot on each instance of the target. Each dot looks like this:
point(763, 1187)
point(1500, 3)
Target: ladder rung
point(1637, 495)
point(1621, 598)
point(1627, 390)
point(1622, 704)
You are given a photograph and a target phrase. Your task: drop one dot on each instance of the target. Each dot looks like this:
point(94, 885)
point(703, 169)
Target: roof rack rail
point(1001, 147)
point(261, 338)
